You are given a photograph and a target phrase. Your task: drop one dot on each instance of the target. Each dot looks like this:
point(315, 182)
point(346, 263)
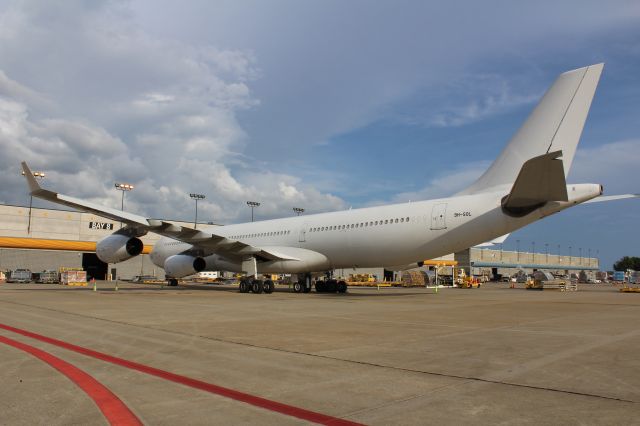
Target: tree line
point(627, 262)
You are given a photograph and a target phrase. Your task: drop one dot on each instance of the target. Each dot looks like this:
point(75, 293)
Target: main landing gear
point(329, 285)
point(256, 286)
point(303, 285)
point(172, 282)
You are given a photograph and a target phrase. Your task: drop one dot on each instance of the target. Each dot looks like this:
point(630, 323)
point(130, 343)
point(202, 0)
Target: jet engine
point(118, 247)
point(181, 265)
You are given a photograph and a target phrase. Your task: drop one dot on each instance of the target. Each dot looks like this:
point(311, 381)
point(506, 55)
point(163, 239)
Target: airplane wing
point(206, 242)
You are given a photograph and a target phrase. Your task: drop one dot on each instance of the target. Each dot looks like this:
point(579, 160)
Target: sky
point(323, 105)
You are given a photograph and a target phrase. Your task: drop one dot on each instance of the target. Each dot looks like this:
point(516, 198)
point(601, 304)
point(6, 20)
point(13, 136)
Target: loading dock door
point(438, 216)
point(95, 267)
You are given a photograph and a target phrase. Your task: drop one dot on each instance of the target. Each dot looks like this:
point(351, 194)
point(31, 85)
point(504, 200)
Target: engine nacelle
point(181, 265)
point(117, 248)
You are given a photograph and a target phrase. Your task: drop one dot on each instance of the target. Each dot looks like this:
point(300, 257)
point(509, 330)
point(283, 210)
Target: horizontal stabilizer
point(493, 242)
point(612, 198)
point(541, 179)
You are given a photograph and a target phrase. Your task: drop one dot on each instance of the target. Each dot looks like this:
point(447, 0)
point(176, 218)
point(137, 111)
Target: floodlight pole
point(580, 258)
point(196, 198)
point(533, 252)
point(546, 249)
point(298, 210)
point(38, 175)
point(252, 204)
point(123, 187)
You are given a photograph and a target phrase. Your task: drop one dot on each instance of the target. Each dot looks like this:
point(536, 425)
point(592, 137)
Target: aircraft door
point(302, 235)
point(438, 216)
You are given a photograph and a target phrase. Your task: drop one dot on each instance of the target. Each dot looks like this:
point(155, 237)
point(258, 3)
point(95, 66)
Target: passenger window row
point(260, 234)
point(359, 225)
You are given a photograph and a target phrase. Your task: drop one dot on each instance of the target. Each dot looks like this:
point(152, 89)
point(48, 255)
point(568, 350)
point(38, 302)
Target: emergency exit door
point(438, 216)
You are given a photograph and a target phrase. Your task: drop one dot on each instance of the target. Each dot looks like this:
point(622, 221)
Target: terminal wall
point(52, 224)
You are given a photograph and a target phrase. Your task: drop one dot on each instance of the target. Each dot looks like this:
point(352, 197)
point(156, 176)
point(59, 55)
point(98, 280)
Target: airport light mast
point(252, 204)
point(196, 198)
point(37, 175)
point(123, 187)
point(298, 210)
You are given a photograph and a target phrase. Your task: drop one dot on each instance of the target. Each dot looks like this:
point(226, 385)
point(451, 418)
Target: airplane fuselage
point(395, 235)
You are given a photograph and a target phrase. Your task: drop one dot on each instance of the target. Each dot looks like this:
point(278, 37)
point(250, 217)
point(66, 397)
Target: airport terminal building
point(48, 239)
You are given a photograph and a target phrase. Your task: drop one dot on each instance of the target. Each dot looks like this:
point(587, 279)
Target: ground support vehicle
point(20, 276)
point(48, 277)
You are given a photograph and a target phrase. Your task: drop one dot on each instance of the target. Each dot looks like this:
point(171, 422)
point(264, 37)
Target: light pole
point(196, 197)
point(533, 252)
point(123, 187)
point(298, 210)
point(518, 250)
point(252, 204)
point(546, 250)
point(569, 255)
point(38, 175)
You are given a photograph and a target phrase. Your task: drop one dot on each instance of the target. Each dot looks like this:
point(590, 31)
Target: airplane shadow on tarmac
point(127, 287)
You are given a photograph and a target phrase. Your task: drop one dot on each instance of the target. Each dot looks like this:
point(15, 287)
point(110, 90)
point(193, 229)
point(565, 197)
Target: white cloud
point(469, 99)
point(114, 104)
point(614, 165)
point(443, 185)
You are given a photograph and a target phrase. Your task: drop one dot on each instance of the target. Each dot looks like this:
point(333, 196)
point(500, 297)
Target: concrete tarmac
point(391, 356)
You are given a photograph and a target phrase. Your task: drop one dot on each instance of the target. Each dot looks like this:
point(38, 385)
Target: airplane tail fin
point(555, 124)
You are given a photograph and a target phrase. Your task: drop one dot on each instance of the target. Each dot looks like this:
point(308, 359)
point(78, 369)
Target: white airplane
point(526, 183)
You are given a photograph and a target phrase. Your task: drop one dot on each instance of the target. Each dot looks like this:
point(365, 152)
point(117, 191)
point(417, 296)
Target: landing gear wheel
point(306, 289)
point(320, 287)
point(245, 286)
point(297, 287)
point(268, 286)
point(331, 286)
point(342, 287)
point(257, 286)
point(173, 282)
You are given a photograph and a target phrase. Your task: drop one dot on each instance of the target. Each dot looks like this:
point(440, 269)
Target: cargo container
point(48, 277)
point(20, 276)
point(618, 276)
point(73, 277)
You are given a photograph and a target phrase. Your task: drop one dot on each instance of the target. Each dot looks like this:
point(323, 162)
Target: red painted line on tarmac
point(257, 401)
point(111, 406)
